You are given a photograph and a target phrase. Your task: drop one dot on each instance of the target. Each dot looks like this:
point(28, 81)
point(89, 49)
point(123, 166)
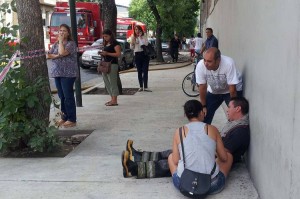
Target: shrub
point(17, 128)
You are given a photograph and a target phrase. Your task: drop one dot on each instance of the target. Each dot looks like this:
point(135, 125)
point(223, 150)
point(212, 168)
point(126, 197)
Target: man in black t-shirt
point(236, 133)
point(237, 142)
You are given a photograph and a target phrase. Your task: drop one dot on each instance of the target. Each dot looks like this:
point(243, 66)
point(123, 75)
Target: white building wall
point(263, 37)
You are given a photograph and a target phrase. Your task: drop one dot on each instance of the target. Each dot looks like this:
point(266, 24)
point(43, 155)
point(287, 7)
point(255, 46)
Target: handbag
point(148, 50)
point(104, 67)
point(194, 184)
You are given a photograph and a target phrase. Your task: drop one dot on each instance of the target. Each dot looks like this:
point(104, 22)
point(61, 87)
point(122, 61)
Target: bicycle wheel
point(189, 86)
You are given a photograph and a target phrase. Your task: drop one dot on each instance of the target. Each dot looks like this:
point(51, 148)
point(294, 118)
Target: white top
point(218, 81)
point(192, 43)
point(139, 41)
point(199, 42)
point(199, 150)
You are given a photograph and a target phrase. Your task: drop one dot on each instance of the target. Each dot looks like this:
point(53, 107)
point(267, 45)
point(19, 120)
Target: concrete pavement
point(94, 170)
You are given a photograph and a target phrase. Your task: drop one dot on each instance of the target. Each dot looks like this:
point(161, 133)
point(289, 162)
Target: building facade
point(263, 37)
point(46, 8)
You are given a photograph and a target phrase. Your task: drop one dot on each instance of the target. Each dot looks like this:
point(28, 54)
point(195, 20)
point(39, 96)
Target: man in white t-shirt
point(198, 43)
point(218, 80)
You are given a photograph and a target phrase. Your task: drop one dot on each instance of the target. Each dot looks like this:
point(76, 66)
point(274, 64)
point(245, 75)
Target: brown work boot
point(134, 155)
point(129, 167)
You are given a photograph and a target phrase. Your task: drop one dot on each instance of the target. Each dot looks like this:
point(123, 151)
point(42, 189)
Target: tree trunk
point(31, 28)
point(110, 15)
point(110, 22)
point(153, 8)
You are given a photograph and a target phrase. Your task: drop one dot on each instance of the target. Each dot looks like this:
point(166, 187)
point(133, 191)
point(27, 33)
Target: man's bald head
point(214, 51)
point(212, 58)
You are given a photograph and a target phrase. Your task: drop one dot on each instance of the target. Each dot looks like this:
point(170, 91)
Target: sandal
point(107, 103)
point(68, 124)
point(60, 122)
point(110, 104)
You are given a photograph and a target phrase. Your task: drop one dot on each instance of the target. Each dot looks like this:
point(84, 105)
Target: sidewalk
point(94, 170)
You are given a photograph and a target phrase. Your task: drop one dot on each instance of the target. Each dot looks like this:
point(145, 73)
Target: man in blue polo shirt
point(211, 41)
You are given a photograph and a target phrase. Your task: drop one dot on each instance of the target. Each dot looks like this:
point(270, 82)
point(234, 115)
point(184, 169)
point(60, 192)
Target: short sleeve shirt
point(111, 49)
point(211, 42)
point(198, 43)
point(218, 81)
point(64, 66)
point(237, 141)
point(192, 43)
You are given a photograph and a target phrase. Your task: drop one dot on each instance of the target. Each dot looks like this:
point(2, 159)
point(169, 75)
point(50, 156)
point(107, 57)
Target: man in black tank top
point(235, 136)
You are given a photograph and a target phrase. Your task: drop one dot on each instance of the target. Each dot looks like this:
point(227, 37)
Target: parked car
point(165, 47)
point(91, 58)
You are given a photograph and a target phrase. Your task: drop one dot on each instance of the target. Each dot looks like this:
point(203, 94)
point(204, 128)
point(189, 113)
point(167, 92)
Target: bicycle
point(189, 85)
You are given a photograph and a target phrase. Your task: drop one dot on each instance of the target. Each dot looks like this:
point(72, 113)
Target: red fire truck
point(88, 18)
point(125, 27)
point(89, 23)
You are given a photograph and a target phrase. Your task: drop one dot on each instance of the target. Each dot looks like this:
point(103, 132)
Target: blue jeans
point(213, 101)
point(176, 180)
point(216, 186)
point(142, 66)
point(65, 92)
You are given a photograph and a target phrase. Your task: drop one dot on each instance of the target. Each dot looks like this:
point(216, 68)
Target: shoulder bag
point(194, 184)
point(148, 50)
point(104, 67)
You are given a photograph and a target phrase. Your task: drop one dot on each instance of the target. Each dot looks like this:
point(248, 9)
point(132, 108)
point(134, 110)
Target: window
point(123, 27)
point(64, 18)
point(60, 18)
point(81, 20)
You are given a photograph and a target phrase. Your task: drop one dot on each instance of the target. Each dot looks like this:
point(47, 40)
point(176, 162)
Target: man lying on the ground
point(235, 136)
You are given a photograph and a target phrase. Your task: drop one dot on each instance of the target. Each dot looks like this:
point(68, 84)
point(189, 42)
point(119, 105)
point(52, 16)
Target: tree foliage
point(178, 16)
point(140, 10)
point(8, 33)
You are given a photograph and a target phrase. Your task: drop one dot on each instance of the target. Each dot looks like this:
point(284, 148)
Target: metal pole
point(74, 34)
